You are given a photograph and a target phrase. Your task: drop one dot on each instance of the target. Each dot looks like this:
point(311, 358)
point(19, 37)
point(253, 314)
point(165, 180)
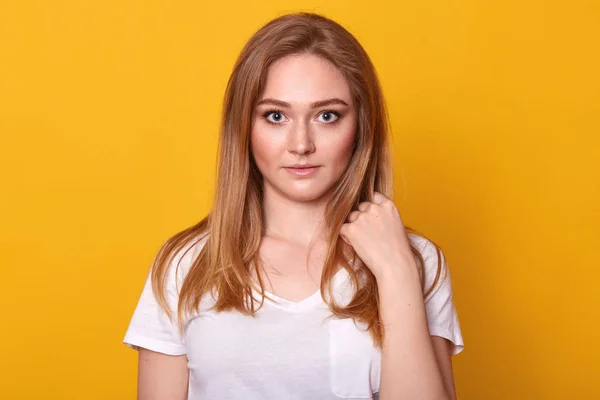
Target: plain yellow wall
point(109, 114)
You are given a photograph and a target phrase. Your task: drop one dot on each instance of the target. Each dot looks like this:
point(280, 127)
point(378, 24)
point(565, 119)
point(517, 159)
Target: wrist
point(401, 295)
point(404, 269)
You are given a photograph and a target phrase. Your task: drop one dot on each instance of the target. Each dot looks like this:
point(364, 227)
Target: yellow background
point(109, 112)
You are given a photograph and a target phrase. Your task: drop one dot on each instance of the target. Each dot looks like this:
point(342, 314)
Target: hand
point(377, 234)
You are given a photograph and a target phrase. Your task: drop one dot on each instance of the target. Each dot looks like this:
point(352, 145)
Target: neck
point(299, 222)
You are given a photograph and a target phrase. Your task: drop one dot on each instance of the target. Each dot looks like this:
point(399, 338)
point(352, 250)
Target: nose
point(301, 141)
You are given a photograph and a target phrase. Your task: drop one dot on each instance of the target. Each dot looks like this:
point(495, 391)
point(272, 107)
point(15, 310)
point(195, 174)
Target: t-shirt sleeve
point(150, 326)
point(442, 317)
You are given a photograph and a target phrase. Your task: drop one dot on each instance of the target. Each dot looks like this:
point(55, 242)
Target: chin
point(305, 194)
point(300, 191)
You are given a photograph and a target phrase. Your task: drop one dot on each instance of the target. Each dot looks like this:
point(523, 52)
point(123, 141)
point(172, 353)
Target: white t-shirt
point(289, 350)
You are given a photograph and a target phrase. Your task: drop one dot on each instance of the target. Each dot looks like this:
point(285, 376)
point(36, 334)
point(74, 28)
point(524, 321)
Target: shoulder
point(182, 257)
point(434, 268)
point(426, 247)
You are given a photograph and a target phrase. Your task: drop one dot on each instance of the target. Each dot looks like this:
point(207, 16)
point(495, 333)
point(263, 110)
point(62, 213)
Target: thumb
point(343, 236)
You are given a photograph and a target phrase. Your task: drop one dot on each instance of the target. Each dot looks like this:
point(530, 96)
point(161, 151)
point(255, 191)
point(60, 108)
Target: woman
point(303, 282)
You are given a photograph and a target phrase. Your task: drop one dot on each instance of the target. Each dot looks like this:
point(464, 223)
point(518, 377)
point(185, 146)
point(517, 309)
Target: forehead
point(305, 78)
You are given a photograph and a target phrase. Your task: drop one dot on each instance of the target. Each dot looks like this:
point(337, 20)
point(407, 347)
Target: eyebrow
point(316, 104)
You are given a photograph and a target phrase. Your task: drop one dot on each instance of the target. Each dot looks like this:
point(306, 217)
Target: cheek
point(264, 149)
point(343, 149)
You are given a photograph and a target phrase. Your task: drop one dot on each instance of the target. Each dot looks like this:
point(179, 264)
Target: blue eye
point(330, 114)
point(277, 113)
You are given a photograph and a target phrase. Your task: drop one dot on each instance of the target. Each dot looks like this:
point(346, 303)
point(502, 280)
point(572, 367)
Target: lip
point(297, 165)
point(302, 169)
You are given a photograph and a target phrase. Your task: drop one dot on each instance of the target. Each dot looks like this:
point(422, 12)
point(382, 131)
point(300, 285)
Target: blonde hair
point(234, 225)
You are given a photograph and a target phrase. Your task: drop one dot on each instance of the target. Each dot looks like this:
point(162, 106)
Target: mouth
point(303, 170)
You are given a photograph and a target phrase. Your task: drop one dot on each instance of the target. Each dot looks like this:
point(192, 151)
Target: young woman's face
point(291, 130)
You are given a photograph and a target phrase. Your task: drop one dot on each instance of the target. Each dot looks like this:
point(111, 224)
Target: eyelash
point(273, 110)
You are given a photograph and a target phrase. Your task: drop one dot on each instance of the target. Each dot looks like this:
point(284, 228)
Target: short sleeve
point(150, 326)
point(442, 317)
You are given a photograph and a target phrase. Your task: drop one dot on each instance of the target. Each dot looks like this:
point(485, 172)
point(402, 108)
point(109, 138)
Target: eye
point(278, 116)
point(330, 116)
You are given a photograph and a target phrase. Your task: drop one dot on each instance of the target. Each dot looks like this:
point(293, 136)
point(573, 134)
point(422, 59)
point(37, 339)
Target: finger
point(353, 216)
point(364, 206)
point(344, 239)
point(378, 198)
point(342, 233)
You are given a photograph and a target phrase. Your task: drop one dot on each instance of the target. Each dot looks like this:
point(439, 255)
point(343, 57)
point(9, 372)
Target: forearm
point(409, 367)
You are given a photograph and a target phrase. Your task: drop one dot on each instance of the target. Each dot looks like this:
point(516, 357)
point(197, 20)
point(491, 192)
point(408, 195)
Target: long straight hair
point(234, 225)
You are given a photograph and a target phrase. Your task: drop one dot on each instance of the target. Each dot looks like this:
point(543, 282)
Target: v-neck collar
point(308, 303)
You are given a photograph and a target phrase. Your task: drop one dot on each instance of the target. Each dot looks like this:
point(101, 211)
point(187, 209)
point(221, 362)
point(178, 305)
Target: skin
point(299, 133)
point(415, 365)
point(162, 376)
